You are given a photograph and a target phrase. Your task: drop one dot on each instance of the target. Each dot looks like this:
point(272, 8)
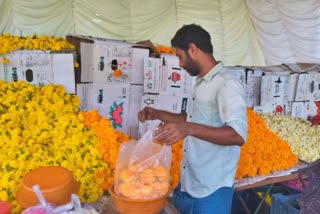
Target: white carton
point(292, 86)
point(174, 79)
point(83, 90)
point(138, 55)
point(40, 68)
point(302, 86)
point(101, 57)
point(298, 109)
point(112, 102)
point(174, 104)
point(273, 91)
point(151, 75)
point(313, 88)
point(253, 87)
point(135, 98)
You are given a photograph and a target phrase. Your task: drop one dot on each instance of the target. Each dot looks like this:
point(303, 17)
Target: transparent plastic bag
point(143, 169)
point(73, 207)
point(45, 207)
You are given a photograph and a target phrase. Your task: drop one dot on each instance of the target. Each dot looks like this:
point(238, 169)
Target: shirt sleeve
point(232, 106)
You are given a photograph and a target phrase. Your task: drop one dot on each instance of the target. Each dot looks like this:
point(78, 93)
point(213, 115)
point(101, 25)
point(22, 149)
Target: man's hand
point(148, 113)
point(170, 133)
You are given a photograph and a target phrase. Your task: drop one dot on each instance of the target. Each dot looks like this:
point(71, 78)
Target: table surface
point(267, 181)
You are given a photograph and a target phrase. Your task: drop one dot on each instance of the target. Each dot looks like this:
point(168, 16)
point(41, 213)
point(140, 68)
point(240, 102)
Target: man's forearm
point(218, 135)
point(171, 117)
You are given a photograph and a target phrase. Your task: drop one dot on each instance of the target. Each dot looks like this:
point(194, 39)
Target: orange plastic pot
point(56, 184)
point(133, 206)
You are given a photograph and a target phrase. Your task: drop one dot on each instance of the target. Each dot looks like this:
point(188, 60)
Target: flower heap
point(302, 136)
point(42, 126)
point(264, 150)
point(10, 43)
point(109, 141)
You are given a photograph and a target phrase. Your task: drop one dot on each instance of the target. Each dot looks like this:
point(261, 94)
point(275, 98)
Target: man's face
point(187, 63)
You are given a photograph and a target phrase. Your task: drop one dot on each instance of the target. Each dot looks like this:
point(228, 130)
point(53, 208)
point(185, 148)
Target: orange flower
point(117, 73)
point(264, 150)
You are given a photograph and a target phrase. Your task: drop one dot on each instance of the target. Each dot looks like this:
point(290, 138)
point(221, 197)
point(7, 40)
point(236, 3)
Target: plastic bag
point(73, 207)
point(143, 169)
point(44, 207)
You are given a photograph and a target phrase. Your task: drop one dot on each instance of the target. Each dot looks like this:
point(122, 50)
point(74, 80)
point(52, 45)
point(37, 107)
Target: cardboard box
point(174, 104)
point(151, 73)
point(313, 88)
point(173, 79)
point(41, 68)
point(302, 87)
point(100, 57)
point(112, 102)
point(83, 90)
point(298, 110)
point(273, 87)
point(135, 98)
point(253, 87)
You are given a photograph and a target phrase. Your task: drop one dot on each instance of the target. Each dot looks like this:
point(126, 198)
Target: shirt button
point(193, 98)
point(184, 167)
point(190, 116)
point(185, 150)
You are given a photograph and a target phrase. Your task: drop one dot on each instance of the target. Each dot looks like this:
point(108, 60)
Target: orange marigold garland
point(109, 142)
point(264, 150)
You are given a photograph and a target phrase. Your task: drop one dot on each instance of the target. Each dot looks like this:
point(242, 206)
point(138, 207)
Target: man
point(212, 133)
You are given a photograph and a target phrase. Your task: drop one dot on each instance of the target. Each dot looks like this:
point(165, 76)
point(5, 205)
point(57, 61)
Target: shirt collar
point(215, 70)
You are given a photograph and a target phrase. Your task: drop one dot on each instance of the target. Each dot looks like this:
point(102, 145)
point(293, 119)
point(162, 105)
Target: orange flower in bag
point(142, 169)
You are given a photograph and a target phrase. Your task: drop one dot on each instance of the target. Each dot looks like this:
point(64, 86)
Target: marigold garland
point(264, 150)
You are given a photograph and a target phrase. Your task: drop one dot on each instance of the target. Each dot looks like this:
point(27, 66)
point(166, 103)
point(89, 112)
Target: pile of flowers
point(43, 126)
point(10, 43)
point(302, 136)
point(264, 150)
point(109, 141)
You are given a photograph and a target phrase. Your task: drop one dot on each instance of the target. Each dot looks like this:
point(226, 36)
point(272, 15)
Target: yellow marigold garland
point(264, 150)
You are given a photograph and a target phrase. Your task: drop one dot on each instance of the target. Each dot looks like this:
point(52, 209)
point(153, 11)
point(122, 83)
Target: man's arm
point(173, 132)
point(149, 113)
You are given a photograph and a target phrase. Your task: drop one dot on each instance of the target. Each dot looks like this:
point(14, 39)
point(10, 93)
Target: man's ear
point(193, 49)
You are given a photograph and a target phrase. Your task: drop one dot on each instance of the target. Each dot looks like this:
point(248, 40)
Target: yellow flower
point(4, 60)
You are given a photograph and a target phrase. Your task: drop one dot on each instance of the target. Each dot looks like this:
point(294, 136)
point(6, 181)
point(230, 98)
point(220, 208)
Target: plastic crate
point(285, 204)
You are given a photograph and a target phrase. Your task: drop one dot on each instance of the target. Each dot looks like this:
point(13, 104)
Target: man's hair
point(192, 34)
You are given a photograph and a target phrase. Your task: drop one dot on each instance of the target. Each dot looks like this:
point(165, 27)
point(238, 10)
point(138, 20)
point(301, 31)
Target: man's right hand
point(148, 113)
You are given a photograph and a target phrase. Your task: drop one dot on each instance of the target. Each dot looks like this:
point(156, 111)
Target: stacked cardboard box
point(40, 68)
point(114, 95)
point(289, 89)
point(166, 86)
